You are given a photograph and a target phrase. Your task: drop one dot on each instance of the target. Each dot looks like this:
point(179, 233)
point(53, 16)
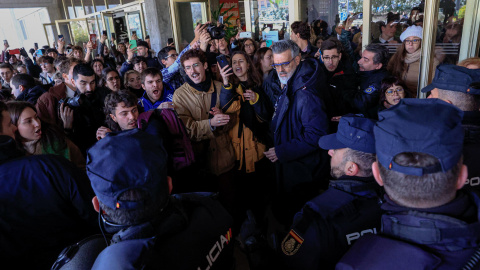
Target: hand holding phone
point(133, 43)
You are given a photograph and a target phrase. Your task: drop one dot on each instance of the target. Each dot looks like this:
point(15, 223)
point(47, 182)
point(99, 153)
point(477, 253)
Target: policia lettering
point(217, 248)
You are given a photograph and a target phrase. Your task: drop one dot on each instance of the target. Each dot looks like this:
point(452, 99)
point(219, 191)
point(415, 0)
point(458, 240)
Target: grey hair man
point(298, 123)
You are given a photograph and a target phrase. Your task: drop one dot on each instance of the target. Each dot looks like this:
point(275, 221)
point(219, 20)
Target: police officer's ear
point(462, 177)
point(351, 168)
point(376, 173)
point(95, 203)
point(170, 186)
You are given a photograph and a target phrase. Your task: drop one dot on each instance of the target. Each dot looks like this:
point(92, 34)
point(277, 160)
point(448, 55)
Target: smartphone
point(170, 41)
point(39, 52)
point(113, 35)
point(5, 42)
point(60, 36)
point(220, 19)
point(269, 43)
point(134, 32)
point(222, 60)
point(14, 51)
point(245, 35)
point(104, 32)
point(133, 43)
point(93, 39)
point(35, 45)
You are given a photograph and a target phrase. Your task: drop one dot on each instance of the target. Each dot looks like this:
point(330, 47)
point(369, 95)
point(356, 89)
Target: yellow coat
point(247, 148)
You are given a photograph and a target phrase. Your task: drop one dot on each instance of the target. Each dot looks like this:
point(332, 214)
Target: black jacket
point(339, 81)
point(45, 206)
point(87, 119)
point(310, 52)
point(31, 95)
point(194, 232)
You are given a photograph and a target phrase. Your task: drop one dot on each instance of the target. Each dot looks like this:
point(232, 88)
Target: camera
point(216, 32)
point(73, 102)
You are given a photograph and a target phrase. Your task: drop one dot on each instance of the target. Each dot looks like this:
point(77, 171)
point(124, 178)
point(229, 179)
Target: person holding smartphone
point(242, 96)
point(170, 59)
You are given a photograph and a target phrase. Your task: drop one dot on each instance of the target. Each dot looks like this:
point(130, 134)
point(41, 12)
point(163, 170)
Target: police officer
point(430, 223)
point(329, 224)
point(152, 229)
point(460, 86)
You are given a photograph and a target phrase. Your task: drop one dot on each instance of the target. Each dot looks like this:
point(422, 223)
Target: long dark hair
point(51, 134)
point(247, 114)
point(252, 73)
point(105, 72)
point(258, 57)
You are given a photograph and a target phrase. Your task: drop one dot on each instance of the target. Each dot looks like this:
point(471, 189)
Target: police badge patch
point(292, 243)
point(370, 89)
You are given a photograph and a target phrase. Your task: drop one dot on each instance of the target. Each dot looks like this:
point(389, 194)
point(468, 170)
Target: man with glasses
point(340, 76)
point(170, 60)
point(298, 123)
point(197, 103)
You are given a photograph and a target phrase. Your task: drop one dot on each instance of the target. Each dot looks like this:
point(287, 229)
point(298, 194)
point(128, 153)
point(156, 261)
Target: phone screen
point(133, 43)
point(170, 41)
point(60, 36)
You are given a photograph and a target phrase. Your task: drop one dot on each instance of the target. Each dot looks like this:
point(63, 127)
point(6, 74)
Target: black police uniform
point(45, 206)
point(444, 237)
point(329, 224)
point(193, 232)
point(471, 148)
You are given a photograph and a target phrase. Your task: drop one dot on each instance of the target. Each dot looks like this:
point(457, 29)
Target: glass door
point(78, 33)
point(187, 14)
point(134, 23)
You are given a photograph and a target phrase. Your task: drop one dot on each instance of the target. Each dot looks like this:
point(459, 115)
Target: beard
point(284, 80)
point(338, 171)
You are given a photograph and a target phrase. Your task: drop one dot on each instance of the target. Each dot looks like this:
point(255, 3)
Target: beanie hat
point(412, 31)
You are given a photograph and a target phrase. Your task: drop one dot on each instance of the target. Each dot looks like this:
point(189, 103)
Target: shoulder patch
point(292, 243)
point(370, 89)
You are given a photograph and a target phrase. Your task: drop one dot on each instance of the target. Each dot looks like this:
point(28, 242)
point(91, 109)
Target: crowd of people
point(303, 157)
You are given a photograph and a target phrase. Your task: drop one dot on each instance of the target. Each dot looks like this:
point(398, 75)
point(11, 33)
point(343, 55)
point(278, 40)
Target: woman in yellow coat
point(243, 97)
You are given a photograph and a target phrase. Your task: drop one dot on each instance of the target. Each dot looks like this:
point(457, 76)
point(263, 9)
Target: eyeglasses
point(412, 41)
point(44, 64)
point(249, 45)
point(391, 92)
point(195, 66)
point(328, 59)
point(282, 65)
point(173, 55)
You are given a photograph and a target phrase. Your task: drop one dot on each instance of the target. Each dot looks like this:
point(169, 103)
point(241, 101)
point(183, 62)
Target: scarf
point(413, 57)
point(203, 86)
